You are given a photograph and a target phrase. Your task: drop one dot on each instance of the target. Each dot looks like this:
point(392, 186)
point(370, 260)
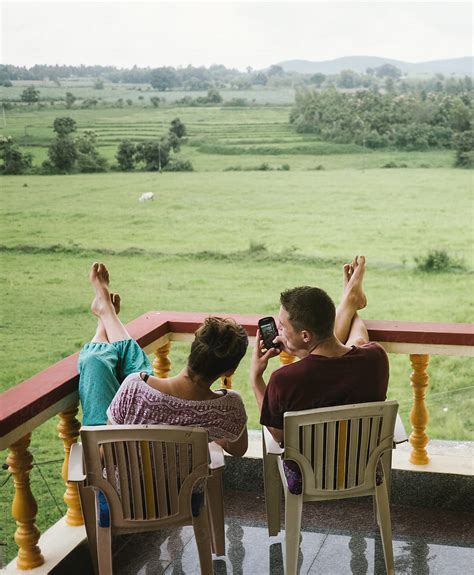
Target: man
point(337, 364)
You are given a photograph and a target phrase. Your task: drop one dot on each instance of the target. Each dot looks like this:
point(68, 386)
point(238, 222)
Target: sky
point(236, 34)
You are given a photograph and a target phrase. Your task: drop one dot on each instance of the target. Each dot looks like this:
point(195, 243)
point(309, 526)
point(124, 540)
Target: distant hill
point(454, 66)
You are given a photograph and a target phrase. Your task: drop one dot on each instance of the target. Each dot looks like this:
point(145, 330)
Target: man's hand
point(261, 356)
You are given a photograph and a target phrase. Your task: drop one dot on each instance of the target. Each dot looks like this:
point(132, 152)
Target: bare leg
point(102, 305)
point(100, 334)
point(348, 326)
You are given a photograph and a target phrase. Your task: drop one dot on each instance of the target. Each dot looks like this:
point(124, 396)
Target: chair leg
point(87, 498)
point(215, 509)
point(203, 541)
point(385, 525)
point(104, 547)
point(293, 510)
point(273, 492)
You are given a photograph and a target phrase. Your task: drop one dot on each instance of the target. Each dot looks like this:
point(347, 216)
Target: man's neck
point(330, 347)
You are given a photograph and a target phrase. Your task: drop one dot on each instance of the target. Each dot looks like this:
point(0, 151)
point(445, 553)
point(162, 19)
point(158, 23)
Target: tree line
point(386, 76)
point(374, 120)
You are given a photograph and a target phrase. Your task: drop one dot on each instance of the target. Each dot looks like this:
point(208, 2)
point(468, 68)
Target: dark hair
point(310, 308)
point(218, 346)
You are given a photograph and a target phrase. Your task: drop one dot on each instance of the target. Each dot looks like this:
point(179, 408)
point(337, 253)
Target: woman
point(116, 381)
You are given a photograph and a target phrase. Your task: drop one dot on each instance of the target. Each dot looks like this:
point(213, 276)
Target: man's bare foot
point(99, 278)
point(115, 299)
point(353, 275)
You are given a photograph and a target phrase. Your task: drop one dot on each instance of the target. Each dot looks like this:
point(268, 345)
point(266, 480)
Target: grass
point(226, 242)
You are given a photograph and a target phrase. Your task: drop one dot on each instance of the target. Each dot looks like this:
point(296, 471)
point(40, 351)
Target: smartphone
point(268, 331)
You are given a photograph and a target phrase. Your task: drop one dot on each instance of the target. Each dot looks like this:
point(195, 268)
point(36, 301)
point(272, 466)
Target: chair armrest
point(216, 454)
point(271, 446)
point(75, 470)
point(399, 435)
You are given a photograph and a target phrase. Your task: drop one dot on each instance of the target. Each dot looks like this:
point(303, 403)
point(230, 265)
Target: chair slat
point(352, 463)
point(374, 435)
point(107, 450)
point(147, 480)
point(318, 456)
point(135, 471)
point(160, 478)
point(330, 454)
point(123, 466)
point(171, 472)
point(307, 442)
point(363, 446)
point(341, 454)
point(183, 454)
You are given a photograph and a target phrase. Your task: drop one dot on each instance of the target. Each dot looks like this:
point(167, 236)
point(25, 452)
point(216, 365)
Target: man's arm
point(257, 369)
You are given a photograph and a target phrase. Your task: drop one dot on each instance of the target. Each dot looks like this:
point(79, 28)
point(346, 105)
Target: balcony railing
point(54, 391)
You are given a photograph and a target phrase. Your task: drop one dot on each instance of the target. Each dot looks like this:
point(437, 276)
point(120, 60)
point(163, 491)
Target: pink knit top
point(138, 403)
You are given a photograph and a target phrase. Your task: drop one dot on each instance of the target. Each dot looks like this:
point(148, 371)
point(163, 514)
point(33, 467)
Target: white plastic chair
point(338, 450)
point(147, 474)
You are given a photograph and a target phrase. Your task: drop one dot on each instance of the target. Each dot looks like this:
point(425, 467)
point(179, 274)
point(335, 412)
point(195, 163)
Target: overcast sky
point(236, 34)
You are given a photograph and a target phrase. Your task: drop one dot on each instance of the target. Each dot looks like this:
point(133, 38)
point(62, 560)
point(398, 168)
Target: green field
point(228, 242)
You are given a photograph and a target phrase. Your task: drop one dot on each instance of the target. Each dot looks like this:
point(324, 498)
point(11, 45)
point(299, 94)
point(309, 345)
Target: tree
point(464, 146)
point(155, 101)
point(275, 70)
point(154, 153)
point(98, 84)
point(213, 96)
point(388, 71)
point(63, 153)
point(14, 160)
point(178, 128)
point(317, 79)
point(70, 99)
point(163, 78)
point(460, 116)
point(88, 158)
point(126, 155)
point(30, 95)
point(64, 126)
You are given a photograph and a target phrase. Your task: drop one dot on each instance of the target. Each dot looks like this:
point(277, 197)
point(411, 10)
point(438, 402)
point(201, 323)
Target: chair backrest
point(338, 448)
point(150, 470)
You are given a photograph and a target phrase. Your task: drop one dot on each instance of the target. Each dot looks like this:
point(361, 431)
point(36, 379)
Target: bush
point(91, 163)
point(257, 247)
point(179, 166)
point(464, 146)
point(438, 261)
point(14, 160)
point(126, 155)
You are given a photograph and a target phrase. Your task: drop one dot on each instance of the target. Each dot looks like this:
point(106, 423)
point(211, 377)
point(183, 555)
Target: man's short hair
point(311, 309)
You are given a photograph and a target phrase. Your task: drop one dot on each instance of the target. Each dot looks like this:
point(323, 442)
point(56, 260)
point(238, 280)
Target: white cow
point(146, 197)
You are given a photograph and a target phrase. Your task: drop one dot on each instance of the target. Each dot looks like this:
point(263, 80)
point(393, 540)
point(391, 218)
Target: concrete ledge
point(56, 543)
point(447, 482)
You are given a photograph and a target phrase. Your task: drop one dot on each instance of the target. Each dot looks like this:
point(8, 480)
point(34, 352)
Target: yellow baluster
point(419, 414)
point(161, 363)
point(226, 381)
point(24, 507)
point(286, 358)
point(68, 428)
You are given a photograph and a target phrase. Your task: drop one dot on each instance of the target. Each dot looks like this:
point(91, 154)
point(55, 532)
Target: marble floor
point(337, 538)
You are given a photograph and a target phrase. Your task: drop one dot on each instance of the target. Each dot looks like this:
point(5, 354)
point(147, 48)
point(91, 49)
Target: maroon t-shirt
point(359, 376)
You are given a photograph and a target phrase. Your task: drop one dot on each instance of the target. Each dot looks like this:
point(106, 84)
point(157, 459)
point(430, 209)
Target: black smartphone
point(268, 331)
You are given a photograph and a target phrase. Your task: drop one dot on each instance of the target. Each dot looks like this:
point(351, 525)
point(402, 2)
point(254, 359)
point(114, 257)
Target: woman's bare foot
point(353, 275)
point(99, 278)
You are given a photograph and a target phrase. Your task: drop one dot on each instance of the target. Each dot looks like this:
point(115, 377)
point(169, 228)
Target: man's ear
point(306, 336)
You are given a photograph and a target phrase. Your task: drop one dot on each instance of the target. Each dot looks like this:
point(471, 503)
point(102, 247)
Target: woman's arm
point(237, 447)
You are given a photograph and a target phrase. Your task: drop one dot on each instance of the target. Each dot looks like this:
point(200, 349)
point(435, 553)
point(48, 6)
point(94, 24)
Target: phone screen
point(268, 331)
